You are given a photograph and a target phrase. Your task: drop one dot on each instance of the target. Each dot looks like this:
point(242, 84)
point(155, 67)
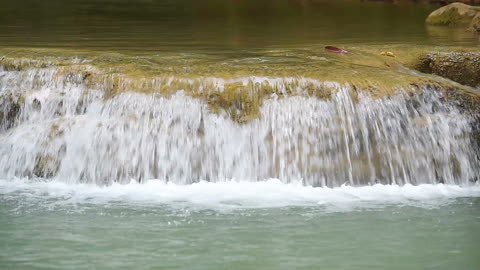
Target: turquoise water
point(229, 226)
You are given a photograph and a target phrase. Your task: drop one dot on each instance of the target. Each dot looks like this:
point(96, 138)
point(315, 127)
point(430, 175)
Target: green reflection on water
point(215, 26)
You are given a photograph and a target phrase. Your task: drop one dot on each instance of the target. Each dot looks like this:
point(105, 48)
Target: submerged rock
point(461, 67)
point(455, 14)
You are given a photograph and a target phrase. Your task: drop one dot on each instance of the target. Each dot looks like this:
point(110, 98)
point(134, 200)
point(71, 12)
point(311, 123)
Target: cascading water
point(54, 126)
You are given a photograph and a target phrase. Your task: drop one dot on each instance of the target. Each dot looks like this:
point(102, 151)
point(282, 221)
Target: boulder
point(446, 2)
point(475, 24)
point(461, 67)
point(455, 14)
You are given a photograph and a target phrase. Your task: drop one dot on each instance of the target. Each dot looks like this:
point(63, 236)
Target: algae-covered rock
point(455, 14)
point(475, 24)
point(461, 67)
point(10, 107)
point(46, 166)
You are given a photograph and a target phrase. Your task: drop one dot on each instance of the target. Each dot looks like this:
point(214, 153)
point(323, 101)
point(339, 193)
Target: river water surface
point(266, 225)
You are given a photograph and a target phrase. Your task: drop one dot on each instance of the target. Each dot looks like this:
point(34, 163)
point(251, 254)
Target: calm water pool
point(237, 226)
point(216, 26)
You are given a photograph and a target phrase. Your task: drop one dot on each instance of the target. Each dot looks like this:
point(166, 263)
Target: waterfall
point(55, 126)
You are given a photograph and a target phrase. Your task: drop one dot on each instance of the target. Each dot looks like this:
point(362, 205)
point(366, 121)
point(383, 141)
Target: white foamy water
point(236, 194)
point(62, 130)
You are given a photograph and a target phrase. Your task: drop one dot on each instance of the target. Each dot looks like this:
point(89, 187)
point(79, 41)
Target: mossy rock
point(461, 67)
point(455, 14)
point(46, 166)
point(475, 24)
point(10, 109)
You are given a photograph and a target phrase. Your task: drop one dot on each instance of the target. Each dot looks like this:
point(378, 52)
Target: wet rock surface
point(10, 107)
point(475, 24)
point(461, 67)
point(455, 14)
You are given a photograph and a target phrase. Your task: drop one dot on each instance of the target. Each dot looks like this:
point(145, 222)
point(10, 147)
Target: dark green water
point(216, 25)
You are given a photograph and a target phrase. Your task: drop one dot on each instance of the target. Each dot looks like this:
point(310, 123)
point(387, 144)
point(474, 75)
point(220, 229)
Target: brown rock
point(455, 14)
point(475, 24)
point(461, 67)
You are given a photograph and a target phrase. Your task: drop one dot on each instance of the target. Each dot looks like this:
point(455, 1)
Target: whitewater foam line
point(238, 194)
